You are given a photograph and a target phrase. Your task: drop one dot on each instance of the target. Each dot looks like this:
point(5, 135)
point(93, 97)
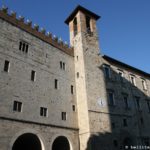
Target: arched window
point(88, 27)
point(75, 26)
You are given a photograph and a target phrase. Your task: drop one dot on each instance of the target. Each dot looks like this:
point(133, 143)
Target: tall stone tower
point(84, 39)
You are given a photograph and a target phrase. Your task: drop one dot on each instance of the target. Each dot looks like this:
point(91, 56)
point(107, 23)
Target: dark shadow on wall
point(104, 142)
point(129, 114)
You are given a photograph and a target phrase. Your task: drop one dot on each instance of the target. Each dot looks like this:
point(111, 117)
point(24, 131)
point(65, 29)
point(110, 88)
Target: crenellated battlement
point(35, 30)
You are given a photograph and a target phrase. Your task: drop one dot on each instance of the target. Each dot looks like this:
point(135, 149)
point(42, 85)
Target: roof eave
point(125, 65)
point(80, 8)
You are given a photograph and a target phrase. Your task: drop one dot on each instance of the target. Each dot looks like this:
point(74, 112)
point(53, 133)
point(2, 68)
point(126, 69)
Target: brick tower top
point(84, 10)
point(82, 22)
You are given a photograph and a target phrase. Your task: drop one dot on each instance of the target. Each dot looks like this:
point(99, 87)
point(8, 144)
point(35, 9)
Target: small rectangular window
point(73, 108)
point(56, 84)
point(43, 111)
point(6, 66)
point(148, 105)
point(77, 58)
point(142, 121)
point(26, 49)
point(77, 74)
point(23, 46)
point(64, 66)
point(107, 71)
point(144, 84)
point(132, 78)
point(33, 75)
point(20, 45)
point(61, 65)
point(64, 116)
point(138, 104)
point(113, 125)
point(111, 98)
point(125, 123)
point(17, 106)
point(121, 75)
point(72, 89)
point(125, 98)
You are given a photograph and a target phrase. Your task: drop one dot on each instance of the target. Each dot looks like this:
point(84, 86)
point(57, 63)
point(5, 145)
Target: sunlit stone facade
point(54, 96)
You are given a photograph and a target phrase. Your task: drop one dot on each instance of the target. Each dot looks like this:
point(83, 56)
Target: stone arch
point(27, 136)
point(27, 141)
point(61, 142)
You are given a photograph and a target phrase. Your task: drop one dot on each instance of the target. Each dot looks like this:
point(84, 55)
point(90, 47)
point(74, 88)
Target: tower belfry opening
point(75, 26)
point(84, 44)
point(82, 21)
point(88, 27)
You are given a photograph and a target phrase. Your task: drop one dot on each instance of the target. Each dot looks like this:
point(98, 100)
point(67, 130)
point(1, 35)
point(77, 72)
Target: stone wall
point(11, 130)
point(16, 85)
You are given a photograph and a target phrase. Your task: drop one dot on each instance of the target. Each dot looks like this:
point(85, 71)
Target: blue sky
point(124, 27)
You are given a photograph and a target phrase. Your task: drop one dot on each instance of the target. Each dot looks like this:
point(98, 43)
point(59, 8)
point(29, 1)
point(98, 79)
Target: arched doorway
point(27, 141)
point(61, 143)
